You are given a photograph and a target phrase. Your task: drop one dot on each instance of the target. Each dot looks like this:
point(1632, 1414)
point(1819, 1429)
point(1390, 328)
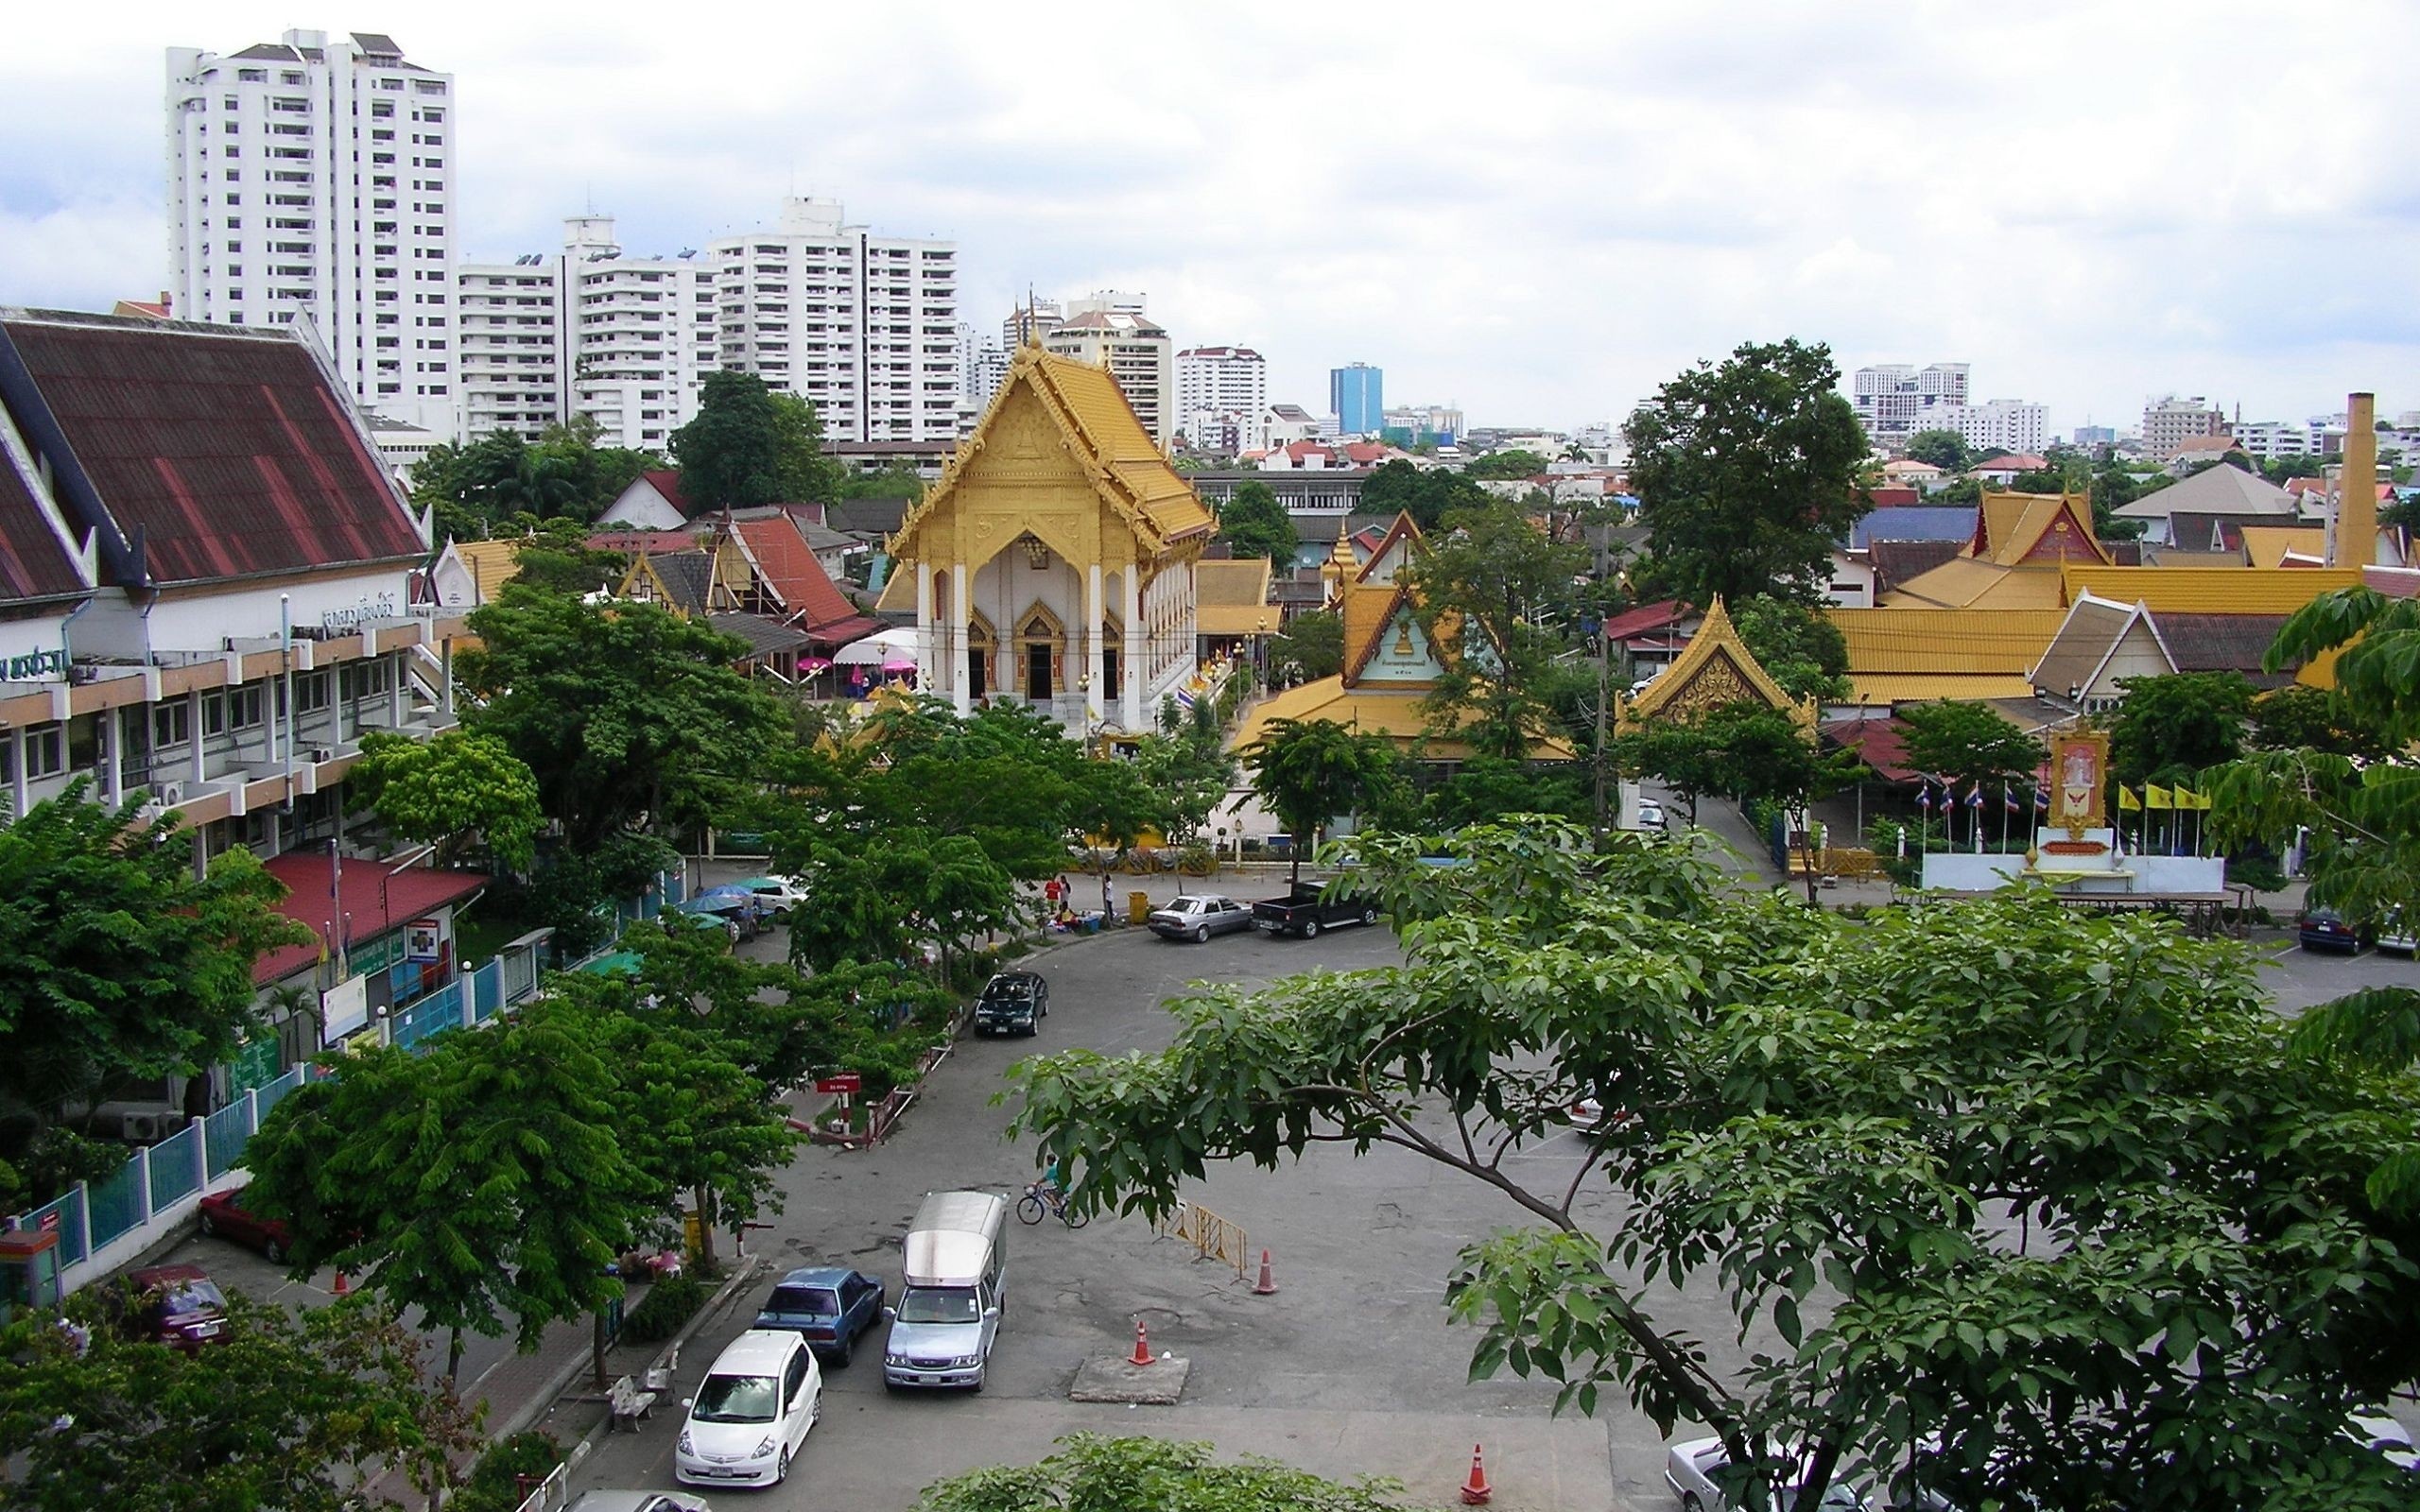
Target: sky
point(1537, 212)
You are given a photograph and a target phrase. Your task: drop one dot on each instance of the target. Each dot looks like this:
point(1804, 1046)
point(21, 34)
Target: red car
point(224, 1214)
point(178, 1305)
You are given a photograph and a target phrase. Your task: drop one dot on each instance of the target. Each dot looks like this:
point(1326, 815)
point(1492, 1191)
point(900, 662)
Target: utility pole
point(1596, 632)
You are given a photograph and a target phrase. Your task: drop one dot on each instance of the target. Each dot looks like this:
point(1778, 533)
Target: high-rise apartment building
point(2169, 419)
point(315, 179)
point(1895, 400)
point(1135, 348)
point(1357, 396)
point(982, 367)
point(1034, 321)
point(1997, 425)
point(865, 326)
point(510, 334)
point(1222, 398)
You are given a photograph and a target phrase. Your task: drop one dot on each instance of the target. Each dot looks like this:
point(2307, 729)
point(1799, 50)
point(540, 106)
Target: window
point(45, 751)
point(244, 708)
point(171, 724)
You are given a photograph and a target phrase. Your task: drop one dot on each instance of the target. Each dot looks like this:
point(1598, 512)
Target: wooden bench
point(627, 1404)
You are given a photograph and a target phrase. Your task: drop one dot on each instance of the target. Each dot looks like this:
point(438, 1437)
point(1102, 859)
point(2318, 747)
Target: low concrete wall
point(2151, 874)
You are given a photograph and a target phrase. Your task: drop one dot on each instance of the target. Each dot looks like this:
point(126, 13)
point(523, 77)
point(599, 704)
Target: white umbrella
point(887, 645)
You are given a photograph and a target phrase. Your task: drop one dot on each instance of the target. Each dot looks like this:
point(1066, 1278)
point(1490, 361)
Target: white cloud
point(1541, 211)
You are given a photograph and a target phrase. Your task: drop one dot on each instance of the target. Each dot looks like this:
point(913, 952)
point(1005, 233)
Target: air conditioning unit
point(142, 1128)
point(171, 794)
point(323, 753)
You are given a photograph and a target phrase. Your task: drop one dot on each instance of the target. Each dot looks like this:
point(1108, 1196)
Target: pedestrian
point(1104, 897)
point(1052, 891)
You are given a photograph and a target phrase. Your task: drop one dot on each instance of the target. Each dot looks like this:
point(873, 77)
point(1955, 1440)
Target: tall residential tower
point(315, 179)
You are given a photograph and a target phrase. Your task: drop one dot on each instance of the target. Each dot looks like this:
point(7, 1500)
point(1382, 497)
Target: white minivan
point(948, 1315)
point(751, 1412)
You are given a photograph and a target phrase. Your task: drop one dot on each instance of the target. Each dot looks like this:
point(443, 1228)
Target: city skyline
point(1543, 221)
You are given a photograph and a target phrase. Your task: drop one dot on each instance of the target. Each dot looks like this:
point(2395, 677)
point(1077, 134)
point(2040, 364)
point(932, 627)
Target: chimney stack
point(2357, 486)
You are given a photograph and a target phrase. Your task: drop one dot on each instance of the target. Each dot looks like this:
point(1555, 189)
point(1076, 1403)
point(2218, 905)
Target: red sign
point(847, 1081)
point(49, 1222)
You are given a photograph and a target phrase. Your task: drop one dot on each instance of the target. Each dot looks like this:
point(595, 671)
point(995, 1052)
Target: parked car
point(752, 1413)
point(176, 1305)
point(223, 1213)
point(1689, 1466)
point(828, 1305)
point(1305, 911)
point(1198, 916)
point(2395, 938)
point(641, 1502)
point(1012, 1003)
point(2325, 929)
point(777, 895)
point(1651, 815)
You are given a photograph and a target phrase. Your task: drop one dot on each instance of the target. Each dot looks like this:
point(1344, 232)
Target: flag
point(2187, 798)
point(2041, 799)
point(2156, 796)
point(2127, 801)
point(1923, 797)
point(1975, 799)
point(2008, 798)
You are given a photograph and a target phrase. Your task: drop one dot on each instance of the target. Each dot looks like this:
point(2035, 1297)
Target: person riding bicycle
point(1053, 1184)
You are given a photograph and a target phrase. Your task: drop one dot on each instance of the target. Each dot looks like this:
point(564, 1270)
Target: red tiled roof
point(226, 454)
point(667, 482)
point(1647, 617)
point(33, 560)
point(376, 899)
point(1878, 743)
point(643, 543)
point(788, 566)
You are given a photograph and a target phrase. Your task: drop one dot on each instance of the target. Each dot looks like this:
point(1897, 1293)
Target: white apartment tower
point(2168, 420)
point(2001, 424)
point(1222, 398)
point(1895, 400)
point(864, 326)
point(1110, 330)
point(311, 179)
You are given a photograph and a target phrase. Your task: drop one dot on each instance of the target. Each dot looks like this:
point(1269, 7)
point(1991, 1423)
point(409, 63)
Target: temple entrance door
point(1109, 670)
point(1037, 672)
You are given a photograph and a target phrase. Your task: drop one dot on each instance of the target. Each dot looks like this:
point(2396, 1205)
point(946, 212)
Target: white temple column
point(1133, 657)
point(1094, 612)
point(961, 612)
point(923, 625)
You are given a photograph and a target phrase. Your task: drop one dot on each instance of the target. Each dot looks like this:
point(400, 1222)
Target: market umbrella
point(879, 649)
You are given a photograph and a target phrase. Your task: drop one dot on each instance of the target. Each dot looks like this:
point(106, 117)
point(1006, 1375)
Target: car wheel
point(1368, 916)
point(1689, 1503)
point(273, 1252)
point(976, 1388)
point(1310, 929)
point(781, 1468)
point(841, 1356)
point(1201, 934)
point(209, 1226)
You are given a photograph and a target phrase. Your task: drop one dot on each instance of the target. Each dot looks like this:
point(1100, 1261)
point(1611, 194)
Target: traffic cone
point(1267, 1285)
point(1141, 1354)
point(1476, 1490)
point(342, 1286)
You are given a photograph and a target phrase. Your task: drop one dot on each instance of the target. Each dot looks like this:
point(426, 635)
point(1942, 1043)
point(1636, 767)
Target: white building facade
point(1136, 351)
point(1222, 398)
point(2167, 420)
point(314, 178)
point(1896, 400)
point(2001, 424)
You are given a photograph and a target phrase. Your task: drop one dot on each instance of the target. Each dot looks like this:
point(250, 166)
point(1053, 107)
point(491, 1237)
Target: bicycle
point(1042, 1197)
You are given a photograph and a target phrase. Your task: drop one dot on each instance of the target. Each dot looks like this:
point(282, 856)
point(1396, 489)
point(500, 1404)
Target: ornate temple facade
point(1716, 669)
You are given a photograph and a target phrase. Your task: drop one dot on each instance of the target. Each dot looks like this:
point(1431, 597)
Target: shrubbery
point(668, 1304)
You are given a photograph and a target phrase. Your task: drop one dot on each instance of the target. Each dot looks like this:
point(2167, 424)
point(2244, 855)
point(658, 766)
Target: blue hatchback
point(829, 1304)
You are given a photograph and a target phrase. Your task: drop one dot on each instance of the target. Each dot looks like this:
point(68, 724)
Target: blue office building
point(1357, 396)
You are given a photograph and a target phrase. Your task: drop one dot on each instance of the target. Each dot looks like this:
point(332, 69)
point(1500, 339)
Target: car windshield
point(816, 1301)
point(939, 1304)
point(1008, 991)
point(181, 1296)
point(735, 1400)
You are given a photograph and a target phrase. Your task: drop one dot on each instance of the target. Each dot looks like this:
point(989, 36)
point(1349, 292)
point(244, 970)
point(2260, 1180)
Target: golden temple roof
point(1397, 716)
point(1946, 641)
point(2209, 590)
point(1715, 668)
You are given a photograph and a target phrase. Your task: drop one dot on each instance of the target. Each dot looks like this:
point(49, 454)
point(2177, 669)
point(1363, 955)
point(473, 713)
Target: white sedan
point(1198, 916)
point(1689, 1466)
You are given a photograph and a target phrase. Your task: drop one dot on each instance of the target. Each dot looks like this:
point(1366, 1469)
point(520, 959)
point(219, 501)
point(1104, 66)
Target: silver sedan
point(1198, 916)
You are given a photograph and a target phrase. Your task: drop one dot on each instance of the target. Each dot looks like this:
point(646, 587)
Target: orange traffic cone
point(1476, 1490)
point(1141, 1354)
point(342, 1285)
point(1267, 1285)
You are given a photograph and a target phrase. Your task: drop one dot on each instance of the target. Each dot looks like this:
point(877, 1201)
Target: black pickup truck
point(1304, 912)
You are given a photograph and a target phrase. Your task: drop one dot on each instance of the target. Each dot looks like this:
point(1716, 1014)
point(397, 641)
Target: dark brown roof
point(211, 454)
point(687, 575)
point(1896, 561)
point(2224, 643)
point(764, 637)
point(34, 563)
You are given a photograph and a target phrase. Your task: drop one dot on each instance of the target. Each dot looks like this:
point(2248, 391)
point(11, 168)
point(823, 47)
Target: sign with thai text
point(375, 607)
point(35, 666)
point(846, 1081)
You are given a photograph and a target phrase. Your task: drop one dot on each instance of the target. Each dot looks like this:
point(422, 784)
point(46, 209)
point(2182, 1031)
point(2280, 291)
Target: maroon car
point(176, 1305)
point(223, 1213)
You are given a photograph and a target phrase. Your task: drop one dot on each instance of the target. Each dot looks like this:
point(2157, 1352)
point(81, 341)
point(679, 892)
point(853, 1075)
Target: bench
point(627, 1404)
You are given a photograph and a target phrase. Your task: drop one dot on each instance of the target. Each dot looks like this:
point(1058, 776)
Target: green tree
point(1946, 450)
point(1487, 589)
point(1427, 494)
point(748, 447)
point(1311, 647)
point(898, 480)
point(1505, 466)
point(487, 1177)
point(119, 961)
point(455, 791)
point(1485, 789)
point(1967, 743)
point(806, 476)
point(1097, 1475)
point(1797, 644)
point(1684, 755)
point(1747, 472)
point(298, 1410)
point(1827, 1121)
point(554, 557)
point(2170, 728)
point(1310, 771)
point(2300, 717)
point(625, 713)
point(1767, 757)
point(2113, 488)
point(1255, 524)
point(2281, 470)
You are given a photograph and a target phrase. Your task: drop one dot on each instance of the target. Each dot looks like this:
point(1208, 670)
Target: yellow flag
point(2127, 801)
point(2187, 799)
point(2156, 796)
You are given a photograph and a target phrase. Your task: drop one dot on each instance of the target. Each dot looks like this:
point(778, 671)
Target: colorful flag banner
point(2156, 796)
point(2128, 802)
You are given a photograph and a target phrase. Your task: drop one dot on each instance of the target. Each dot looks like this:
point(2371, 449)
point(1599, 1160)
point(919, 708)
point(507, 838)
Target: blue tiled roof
point(1941, 522)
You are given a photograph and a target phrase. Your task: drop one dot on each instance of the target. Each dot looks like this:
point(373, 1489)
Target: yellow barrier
point(1214, 1237)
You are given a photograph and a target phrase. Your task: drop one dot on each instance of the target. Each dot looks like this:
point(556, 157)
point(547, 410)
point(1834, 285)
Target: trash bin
point(1138, 907)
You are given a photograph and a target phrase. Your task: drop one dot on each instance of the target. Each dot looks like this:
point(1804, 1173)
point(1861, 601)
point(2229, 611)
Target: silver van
point(949, 1307)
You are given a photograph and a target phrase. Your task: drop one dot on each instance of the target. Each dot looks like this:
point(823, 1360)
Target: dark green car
point(1012, 1003)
